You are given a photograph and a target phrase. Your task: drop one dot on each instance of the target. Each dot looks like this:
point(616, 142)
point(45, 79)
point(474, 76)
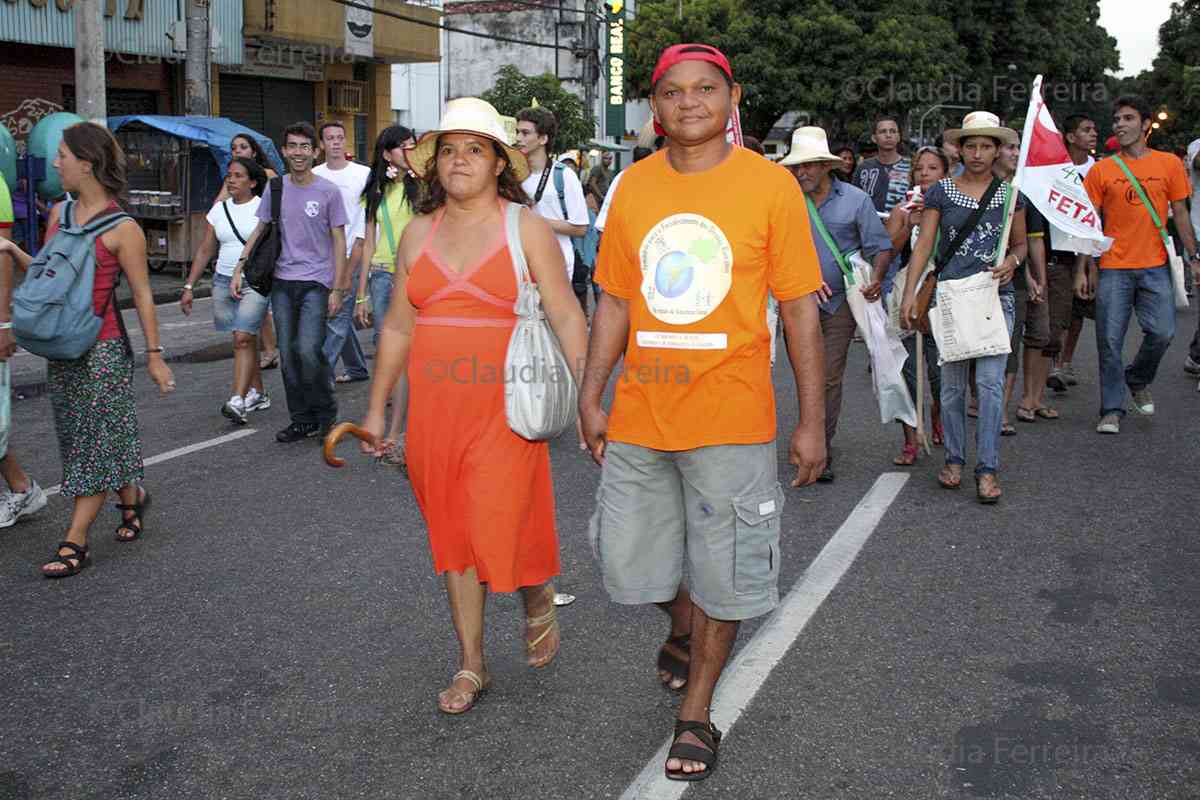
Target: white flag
point(1054, 183)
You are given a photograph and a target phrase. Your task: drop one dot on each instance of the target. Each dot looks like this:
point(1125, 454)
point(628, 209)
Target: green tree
point(842, 65)
point(1173, 84)
point(514, 91)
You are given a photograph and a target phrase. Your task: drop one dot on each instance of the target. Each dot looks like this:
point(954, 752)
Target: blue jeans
point(341, 340)
point(300, 309)
point(1121, 292)
point(379, 286)
point(989, 384)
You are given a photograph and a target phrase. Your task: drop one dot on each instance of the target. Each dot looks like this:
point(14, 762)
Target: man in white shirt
point(350, 179)
point(555, 190)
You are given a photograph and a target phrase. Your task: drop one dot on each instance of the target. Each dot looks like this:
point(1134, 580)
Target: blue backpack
point(52, 311)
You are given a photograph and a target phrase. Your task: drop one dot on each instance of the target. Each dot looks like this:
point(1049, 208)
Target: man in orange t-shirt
point(696, 236)
point(1134, 275)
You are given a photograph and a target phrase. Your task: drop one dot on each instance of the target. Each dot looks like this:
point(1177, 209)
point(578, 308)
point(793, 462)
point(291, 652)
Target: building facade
point(144, 46)
point(318, 60)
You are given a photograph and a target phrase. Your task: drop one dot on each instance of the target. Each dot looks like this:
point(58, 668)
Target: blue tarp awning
point(215, 132)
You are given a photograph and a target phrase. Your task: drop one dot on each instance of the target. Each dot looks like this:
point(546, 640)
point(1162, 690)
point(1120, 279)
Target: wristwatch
point(187, 287)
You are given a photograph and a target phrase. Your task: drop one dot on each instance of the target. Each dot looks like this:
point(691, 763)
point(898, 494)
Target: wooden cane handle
point(335, 436)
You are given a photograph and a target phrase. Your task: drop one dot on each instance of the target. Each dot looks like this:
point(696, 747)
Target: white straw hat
point(467, 115)
point(981, 123)
point(809, 145)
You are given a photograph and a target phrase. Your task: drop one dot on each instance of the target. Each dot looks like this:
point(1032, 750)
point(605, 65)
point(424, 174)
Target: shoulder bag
point(925, 290)
point(540, 396)
point(259, 271)
point(1173, 258)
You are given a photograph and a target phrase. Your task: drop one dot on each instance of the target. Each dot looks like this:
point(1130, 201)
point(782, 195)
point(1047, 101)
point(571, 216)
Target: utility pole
point(197, 72)
point(90, 100)
point(591, 62)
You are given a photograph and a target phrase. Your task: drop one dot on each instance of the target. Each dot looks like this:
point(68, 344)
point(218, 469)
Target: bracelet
point(187, 287)
point(150, 350)
point(5, 326)
point(358, 301)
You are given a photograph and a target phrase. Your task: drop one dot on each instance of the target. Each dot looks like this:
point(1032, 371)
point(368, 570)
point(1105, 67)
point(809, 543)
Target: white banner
point(360, 29)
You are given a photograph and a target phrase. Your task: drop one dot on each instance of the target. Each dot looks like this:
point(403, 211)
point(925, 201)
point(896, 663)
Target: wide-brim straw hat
point(467, 115)
point(646, 135)
point(981, 123)
point(810, 145)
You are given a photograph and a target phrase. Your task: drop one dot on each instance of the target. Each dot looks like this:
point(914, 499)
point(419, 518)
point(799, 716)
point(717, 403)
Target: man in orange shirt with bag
point(696, 236)
point(1134, 275)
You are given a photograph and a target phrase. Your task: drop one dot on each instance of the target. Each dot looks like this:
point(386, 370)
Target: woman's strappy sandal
point(134, 524)
point(469, 698)
point(73, 562)
point(550, 620)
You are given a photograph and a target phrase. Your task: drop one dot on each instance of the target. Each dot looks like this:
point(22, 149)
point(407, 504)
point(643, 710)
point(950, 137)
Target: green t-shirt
point(399, 214)
point(6, 209)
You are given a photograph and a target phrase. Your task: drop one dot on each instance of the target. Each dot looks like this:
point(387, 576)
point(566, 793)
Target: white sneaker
point(257, 401)
point(15, 505)
point(1109, 423)
point(1143, 402)
point(234, 410)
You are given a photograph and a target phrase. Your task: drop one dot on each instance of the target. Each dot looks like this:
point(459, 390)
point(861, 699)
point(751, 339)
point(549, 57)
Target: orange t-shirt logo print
point(687, 268)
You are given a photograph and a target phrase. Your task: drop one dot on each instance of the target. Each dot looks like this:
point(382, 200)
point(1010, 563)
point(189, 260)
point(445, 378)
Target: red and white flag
point(1054, 183)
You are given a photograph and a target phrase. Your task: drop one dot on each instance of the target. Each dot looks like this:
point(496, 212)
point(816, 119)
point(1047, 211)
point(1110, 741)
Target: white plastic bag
point(540, 396)
point(968, 320)
point(886, 349)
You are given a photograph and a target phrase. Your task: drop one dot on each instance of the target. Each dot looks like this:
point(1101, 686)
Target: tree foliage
point(1173, 83)
point(847, 62)
point(514, 91)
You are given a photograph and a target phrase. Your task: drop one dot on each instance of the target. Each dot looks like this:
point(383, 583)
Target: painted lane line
point(746, 674)
point(183, 451)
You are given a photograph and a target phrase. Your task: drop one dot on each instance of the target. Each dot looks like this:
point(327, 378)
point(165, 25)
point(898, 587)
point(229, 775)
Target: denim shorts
point(719, 508)
point(245, 315)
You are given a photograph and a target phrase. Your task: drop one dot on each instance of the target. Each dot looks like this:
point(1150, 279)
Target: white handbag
point(540, 397)
point(968, 320)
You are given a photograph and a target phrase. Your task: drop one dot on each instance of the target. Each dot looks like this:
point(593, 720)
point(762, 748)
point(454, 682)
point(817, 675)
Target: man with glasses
point(311, 278)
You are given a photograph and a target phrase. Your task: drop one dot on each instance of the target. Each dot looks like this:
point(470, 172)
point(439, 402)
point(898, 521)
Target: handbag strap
point(512, 231)
point(815, 215)
point(972, 223)
point(386, 213)
point(228, 216)
point(1162, 231)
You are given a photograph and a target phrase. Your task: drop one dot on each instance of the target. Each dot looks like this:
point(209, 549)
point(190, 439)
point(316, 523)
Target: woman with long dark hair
point(94, 411)
point(486, 493)
point(230, 223)
point(389, 198)
point(243, 145)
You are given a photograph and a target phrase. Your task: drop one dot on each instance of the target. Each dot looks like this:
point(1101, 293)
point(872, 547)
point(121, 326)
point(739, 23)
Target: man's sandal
point(133, 526)
point(468, 698)
point(948, 478)
point(550, 620)
point(708, 734)
point(73, 562)
point(990, 493)
point(676, 666)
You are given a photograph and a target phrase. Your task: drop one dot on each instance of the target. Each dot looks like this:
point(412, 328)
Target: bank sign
point(139, 28)
point(615, 70)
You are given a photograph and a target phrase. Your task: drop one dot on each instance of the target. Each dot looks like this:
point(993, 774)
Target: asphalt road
point(278, 632)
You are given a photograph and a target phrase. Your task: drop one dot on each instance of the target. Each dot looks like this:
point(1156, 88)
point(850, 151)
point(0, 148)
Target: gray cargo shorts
point(719, 506)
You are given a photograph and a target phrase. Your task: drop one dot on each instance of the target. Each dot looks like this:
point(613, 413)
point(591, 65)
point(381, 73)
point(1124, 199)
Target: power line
point(450, 29)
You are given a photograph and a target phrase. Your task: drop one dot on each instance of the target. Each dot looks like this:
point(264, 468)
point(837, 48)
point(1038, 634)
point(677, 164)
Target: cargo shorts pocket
point(756, 541)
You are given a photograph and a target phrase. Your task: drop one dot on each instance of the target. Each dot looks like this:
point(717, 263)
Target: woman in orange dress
point(486, 494)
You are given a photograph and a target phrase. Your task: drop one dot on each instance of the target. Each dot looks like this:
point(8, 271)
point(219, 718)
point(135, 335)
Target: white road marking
point(745, 675)
point(183, 451)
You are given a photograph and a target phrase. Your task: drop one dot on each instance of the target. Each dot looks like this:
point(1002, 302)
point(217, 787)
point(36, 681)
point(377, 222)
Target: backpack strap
point(560, 187)
point(101, 224)
point(276, 199)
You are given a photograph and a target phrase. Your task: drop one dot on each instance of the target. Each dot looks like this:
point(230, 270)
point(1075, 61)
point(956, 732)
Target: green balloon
point(8, 158)
point(43, 143)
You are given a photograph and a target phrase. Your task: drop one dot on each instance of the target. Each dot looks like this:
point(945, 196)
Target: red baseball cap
point(677, 54)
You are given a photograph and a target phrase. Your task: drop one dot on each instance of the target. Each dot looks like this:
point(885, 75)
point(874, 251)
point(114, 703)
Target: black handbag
point(259, 271)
